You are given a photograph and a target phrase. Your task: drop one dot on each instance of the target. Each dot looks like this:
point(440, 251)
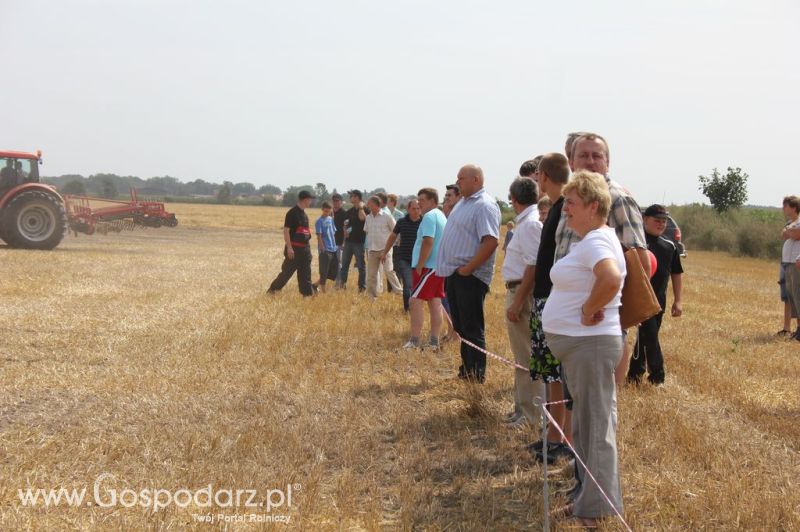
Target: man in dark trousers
point(296, 252)
point(339, 216)
point(466, 259)
point(354, 241)
point(648, 349)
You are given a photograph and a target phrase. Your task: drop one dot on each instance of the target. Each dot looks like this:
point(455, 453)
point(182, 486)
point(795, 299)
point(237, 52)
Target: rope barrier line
point(550, 417)
point(565, 401)
point(578, 458)
point(497, 357)
point(482, 350)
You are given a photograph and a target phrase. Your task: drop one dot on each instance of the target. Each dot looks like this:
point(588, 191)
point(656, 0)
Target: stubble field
point(154, 360)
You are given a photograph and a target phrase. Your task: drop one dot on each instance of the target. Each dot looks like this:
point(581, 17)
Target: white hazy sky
point(401, 94)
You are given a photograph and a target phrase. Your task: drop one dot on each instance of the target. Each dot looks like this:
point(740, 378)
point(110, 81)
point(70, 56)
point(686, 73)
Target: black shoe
point(534, 447)
point(555, 452)
point(784, 333)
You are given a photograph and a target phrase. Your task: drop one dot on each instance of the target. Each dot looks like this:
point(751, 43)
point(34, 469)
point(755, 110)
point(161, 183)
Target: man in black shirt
point(339, 216)
point(552, 172)
point(354, 241)
point(296, 252)
point(648, 348)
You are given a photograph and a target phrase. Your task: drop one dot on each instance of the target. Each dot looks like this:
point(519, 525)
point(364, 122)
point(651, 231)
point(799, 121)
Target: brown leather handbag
point(639, 301)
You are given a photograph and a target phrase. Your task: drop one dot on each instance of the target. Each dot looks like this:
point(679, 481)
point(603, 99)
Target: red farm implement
point(88, 215)
point(33, 215)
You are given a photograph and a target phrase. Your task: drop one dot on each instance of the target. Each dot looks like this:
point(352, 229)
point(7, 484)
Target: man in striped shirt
point(590, 152)
point(466, 260)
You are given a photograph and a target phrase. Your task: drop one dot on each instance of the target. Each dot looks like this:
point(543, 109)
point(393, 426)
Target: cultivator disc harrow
point(89, 215)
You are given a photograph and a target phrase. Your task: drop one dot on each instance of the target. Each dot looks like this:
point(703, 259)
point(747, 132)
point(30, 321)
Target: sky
point(400, 95)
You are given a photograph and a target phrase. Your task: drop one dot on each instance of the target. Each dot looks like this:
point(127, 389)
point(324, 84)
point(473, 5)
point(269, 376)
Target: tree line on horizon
point(168, 188)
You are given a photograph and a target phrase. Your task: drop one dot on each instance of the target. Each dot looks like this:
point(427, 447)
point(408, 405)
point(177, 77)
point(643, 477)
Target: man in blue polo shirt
point(466, 260)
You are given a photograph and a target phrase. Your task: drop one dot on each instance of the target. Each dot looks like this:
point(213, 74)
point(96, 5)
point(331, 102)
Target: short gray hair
point(524, 191)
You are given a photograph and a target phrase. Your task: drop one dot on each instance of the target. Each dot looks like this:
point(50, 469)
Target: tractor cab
point(17, 168)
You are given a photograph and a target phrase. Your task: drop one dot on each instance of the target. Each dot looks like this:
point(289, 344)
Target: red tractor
point(32, 214)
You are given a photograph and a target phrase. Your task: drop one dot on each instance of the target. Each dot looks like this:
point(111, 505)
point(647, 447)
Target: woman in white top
point(582, 327)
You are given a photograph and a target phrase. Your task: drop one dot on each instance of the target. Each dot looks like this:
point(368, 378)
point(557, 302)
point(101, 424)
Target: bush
point(752, 232)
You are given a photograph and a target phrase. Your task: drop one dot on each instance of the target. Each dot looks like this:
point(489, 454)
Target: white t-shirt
point(524, 246)
point(573, 278)
point(378, 229)
point(791, 248)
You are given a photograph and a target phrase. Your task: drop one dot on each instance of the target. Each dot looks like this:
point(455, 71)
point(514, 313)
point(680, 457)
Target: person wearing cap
point(354, 241)
point(451, 196)
point(647, 351)
point(466, 258)
point(297, 251)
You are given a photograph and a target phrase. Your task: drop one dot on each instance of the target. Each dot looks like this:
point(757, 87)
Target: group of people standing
point(563, 273)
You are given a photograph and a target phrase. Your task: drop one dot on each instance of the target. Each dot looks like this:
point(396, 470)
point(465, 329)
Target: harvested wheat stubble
point(156, 356)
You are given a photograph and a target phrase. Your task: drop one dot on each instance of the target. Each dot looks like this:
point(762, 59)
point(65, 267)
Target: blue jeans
point(403, 269)
point(353, 249)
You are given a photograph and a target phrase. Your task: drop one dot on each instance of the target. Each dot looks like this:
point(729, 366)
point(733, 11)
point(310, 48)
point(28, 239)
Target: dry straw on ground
point(156, 356)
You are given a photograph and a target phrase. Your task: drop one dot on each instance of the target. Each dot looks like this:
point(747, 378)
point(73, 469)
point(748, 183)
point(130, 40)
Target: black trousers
point(301, 263)
point(465, 296)
point(647, 351)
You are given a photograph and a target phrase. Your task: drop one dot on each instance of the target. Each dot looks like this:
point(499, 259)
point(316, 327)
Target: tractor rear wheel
point(34, 220)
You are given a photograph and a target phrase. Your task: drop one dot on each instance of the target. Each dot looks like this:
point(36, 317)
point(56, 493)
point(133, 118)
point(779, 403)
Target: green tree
point(727, 191)
point(321, 192)
point(290, 196)
point(270, 189)
point(74, 187)
point(108, 189)
point(224, 192)
point(244, 189)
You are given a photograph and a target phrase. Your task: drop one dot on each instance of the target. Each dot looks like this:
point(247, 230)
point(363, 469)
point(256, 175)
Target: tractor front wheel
point(34, 220)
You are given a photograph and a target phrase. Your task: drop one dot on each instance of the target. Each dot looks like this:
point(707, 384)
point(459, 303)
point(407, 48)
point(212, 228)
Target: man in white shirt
point(378, 226)
point(519, 270)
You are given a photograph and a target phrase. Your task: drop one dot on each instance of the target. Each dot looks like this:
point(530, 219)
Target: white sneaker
point(410, 345)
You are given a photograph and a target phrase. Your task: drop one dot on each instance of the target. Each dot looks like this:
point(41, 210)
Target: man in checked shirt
point(590, 152)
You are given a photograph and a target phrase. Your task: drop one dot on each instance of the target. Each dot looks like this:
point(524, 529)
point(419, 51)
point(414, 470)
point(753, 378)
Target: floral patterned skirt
point(543, 363)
